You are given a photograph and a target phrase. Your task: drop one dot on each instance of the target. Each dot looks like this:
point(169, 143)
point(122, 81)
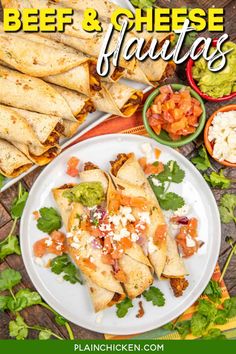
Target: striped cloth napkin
point(134, 125)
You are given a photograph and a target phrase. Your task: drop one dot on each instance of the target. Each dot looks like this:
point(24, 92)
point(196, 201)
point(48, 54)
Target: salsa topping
point(177, 113)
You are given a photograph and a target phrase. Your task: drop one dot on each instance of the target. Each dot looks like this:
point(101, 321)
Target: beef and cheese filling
point(133, 102)
point(94, 78)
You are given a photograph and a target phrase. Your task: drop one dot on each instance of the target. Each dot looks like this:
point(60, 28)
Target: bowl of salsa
point(174, 115)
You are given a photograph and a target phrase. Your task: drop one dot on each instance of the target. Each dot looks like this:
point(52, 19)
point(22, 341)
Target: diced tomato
point(151, 169)
point(126, 243)
point(160, 234)
point(72, 167)
point(107, 244)
point(157, 153)
point(94, 231)
point(120, 276)
point(87, 262)
point(175, 112)
point(135, 202)
point(157, 129)
point(40, 248)
point(143, 162)
point(166, 89)
point(192, 227)
point(107, 259)
point(117, 253)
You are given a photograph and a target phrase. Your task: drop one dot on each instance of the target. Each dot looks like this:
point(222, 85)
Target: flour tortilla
point(33, 55)
point(117, 99)
point(151, 72)
point(29, 93)
point(16, 129)
point(104, 289)
point(80, 106)
point(131, 180)
point(12, 161)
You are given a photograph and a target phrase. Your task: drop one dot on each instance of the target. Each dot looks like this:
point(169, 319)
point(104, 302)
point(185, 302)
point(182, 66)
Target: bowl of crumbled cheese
point(220, 135)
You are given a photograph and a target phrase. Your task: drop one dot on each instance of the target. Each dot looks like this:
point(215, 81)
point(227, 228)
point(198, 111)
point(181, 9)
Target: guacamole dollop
point(87, 193)
point(221, 83)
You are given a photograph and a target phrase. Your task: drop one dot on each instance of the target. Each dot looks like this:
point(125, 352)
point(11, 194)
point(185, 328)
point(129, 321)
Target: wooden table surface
point(39, 315)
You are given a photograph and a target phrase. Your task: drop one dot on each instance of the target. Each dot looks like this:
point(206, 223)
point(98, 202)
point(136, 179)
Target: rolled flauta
point(80, 105)
point(129, 176)
point(151, 72)
point(104, 289)
point(117, 99)
point(50, 60)
point(17, 130)
point(32, 94)
point(12, 161)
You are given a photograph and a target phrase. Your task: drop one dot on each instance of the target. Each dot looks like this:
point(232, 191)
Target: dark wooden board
point(39, 315)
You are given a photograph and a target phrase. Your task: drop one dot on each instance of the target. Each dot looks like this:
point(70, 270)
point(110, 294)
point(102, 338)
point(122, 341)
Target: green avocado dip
point(221, 83)
point(87, 193)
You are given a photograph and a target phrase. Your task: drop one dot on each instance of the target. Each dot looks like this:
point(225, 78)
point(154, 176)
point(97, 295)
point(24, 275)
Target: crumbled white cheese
point(105, 227)
point(148, 151)
point(182, 211)
point(114, 219)
point(156, 182)
point(75, 245)
point(144, 217)
point(151, 247)
point(190, 242)
point(39, 261)
point(223, 133)
point(69, 234)
point(48, 241)
point(75, 239)
point(134, 237)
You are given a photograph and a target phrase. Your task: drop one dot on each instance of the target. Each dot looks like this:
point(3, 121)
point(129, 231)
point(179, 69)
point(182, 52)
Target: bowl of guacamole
point(214, 86)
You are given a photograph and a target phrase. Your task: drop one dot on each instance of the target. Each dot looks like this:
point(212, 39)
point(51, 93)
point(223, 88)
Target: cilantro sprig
point(123, 307)
point(49, 220)
point(18, 301)
point(172, 174)
point(10, 244)
point(63, 264)
point(227, 208)
point(216, 180)
point(154, 295)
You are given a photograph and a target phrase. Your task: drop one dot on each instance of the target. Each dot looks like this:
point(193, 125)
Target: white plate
point(91, 121)
point(72, 301)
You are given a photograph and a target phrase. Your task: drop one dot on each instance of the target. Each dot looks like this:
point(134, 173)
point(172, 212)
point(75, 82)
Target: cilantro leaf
point(9, 246)
point(230, 306)
point(60, 320)
point(19, 203)
point(207, 309)
point(221, 317)
point(9, 278)
point(172, 173)
point(63, 264)
point(18, 329)
point(183, 328)
point(2, 179)
point(155, 295)
point(201, 161)
point(227, 208)
point(214, 333)
point(4, 302)
point(24, 298)
point(49, 220)
point(199, 324)
point(45, 334)
point(171, 201)
point(123, 307)
point(218, 180)
point(213, 291)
